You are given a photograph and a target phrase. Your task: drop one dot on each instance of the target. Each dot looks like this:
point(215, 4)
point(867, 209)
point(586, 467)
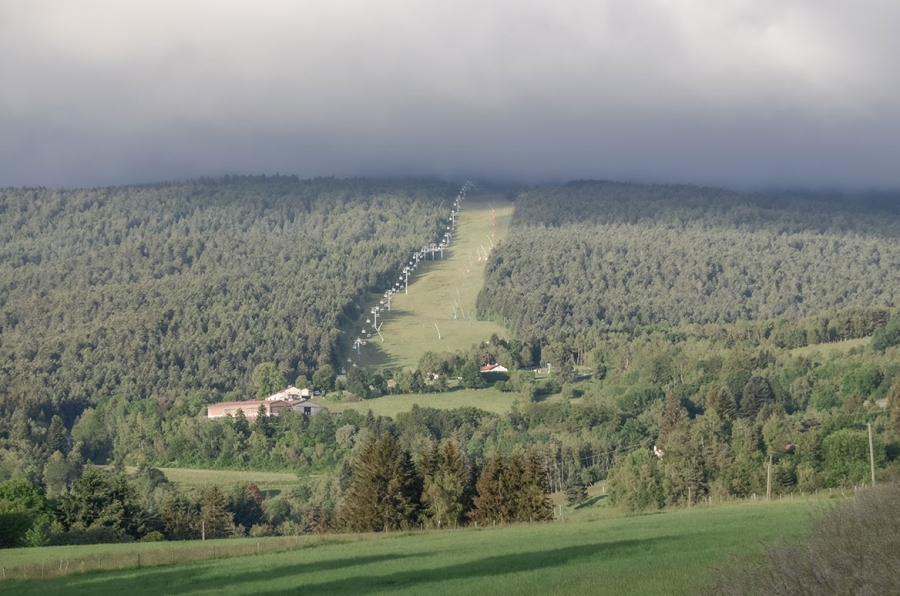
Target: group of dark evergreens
point(388, 492)
point(666, 317)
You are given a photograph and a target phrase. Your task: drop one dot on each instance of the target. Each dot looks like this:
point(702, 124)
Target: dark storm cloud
point(744, 93)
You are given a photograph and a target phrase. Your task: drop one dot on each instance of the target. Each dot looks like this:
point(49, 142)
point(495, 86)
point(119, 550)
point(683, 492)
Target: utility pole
point(769, 481)
point(871, 453)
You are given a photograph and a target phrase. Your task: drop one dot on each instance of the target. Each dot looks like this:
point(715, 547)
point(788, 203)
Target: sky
point(740, 93)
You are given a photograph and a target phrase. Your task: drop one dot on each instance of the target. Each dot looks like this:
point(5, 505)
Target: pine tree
point(385, 490)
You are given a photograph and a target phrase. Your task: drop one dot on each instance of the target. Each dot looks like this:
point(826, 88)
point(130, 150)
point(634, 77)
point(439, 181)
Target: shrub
point(153, 536)
point(853, 549)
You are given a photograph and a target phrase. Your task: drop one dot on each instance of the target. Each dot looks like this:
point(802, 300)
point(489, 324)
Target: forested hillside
point(602, 254)
point(160, 290)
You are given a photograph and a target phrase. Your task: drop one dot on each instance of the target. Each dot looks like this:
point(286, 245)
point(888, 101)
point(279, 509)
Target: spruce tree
point(514, 490)
point(240, 424)
point(444, 491)
point(714, 400)
point(533, 502)
point(56, 439)
point(315, 520)
point(576, 492)
point(385, 490)
point(429, 460)
point(727, 408)
point(179, 517)
point(672, 414)
point(263, 424)
point(490, 501)
point(214, 521)
point(757, 393)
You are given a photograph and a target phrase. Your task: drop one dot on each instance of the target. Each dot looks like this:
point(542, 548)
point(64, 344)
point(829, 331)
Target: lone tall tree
point(385, 490)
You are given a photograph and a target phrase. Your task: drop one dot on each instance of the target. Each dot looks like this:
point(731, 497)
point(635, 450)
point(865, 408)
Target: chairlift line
point(416, 257)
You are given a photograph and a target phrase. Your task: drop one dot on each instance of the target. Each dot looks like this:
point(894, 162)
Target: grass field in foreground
point(667, 553)
point(442, 289)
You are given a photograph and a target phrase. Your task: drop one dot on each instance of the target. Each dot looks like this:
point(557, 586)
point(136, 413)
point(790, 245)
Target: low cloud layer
point(748, 93)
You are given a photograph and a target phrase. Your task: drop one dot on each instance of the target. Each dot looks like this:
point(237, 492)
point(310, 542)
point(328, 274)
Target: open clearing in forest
point(193, 478)
point(266, 481)
point(595, 551)
point(829, 349)
point(443, 293)
point(489, 399)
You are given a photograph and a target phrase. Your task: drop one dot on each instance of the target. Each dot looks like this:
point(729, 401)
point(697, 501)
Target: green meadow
point(266, 481)
point(193, 477)
point(594, 551)
point(488, 399)
point(438, 314)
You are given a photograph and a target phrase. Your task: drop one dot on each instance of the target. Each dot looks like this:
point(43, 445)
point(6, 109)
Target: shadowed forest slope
point(598, 254)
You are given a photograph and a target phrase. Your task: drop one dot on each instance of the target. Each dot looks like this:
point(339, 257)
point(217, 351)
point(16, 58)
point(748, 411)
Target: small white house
point(289, 394)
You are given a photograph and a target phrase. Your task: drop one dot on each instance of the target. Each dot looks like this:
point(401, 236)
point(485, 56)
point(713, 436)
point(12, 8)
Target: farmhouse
point(251, 408)
point(291, 393)
point(494, 368)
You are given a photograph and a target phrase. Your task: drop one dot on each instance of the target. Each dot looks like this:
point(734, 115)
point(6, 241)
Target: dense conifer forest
point(594, 255)
point(165, 289)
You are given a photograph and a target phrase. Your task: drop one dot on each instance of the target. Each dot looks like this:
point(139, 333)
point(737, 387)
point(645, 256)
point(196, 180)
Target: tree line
point(382, 491)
